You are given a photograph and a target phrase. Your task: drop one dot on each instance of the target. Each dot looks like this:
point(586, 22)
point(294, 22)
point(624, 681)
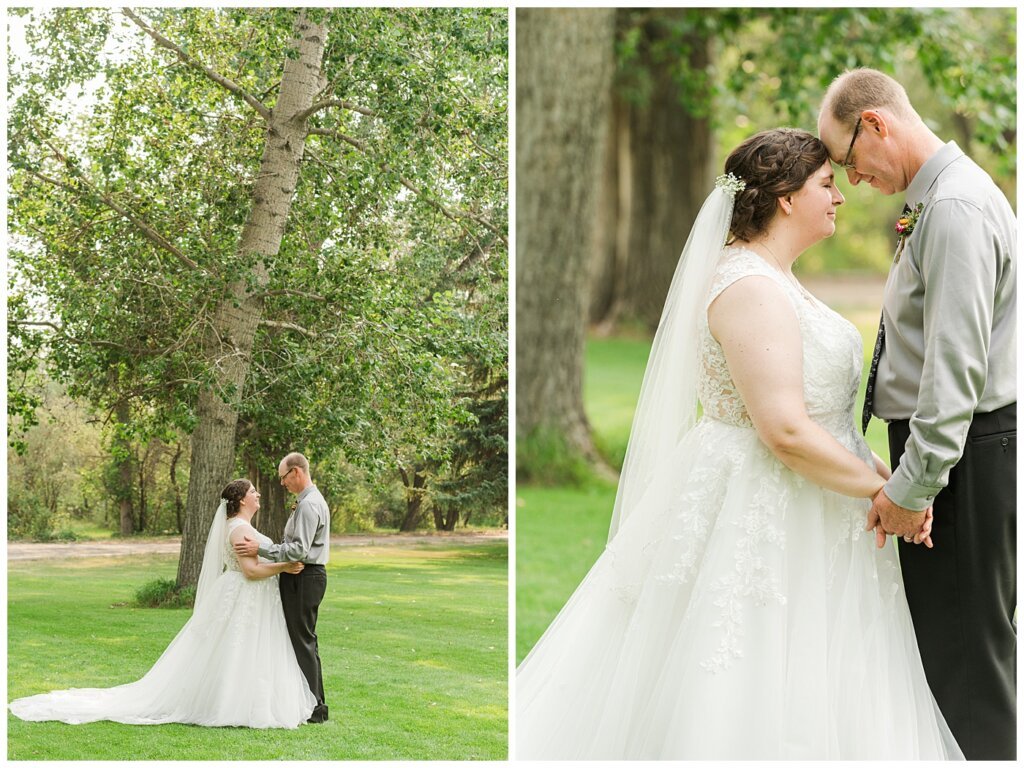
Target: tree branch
point(84, 342)
point(341, 136)
point(320, 105)
point(212, 74)
point(146, 229)
point(289, 326)
point(290, 292)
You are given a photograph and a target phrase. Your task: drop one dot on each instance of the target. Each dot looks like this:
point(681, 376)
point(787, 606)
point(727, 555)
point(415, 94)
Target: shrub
point(164, 593)
point(27, 516)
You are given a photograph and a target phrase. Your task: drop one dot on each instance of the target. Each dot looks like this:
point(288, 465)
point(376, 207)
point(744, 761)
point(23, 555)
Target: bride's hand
point(295, 567)
point(874, 522)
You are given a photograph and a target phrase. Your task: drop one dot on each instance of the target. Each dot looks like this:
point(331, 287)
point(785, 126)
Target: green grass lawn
point(413, 641)
point(561, 531)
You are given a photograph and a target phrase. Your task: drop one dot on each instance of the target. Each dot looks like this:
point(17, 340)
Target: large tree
point(564, 68)
point(226, 224)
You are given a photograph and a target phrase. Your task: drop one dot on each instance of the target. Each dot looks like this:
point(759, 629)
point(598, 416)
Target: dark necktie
point(869, 391)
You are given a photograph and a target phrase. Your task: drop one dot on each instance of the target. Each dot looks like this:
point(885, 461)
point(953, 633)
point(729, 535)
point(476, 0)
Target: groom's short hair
point(858, 89)
point(296, 460)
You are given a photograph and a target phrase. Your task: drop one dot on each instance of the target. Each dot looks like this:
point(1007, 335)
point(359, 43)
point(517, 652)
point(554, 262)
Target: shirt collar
point(930, 171)
point(305, 492)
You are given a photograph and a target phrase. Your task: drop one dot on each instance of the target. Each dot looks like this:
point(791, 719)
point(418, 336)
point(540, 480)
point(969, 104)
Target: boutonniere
point(905, 227)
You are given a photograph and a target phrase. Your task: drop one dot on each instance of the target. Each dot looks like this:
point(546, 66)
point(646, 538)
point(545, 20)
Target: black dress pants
point(963, 593)
point(301, 594)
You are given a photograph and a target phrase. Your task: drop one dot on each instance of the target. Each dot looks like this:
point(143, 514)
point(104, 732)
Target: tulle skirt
point(740, 613)
point(232, 664)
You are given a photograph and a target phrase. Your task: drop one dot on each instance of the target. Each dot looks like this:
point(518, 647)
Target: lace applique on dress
point(230, 559)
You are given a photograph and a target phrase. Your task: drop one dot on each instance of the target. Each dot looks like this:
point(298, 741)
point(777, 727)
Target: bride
point(231, 664)
point(740, 610)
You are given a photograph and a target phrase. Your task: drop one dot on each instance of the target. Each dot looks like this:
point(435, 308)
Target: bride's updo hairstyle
point(233, 494)
point(773, 164)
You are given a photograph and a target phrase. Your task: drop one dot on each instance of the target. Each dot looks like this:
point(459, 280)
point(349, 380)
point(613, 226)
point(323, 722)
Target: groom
point(306, 539)
point(944, 377)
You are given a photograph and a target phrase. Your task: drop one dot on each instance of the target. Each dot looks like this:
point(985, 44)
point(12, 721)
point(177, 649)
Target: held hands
point(887, 517)
point(295, 567)
point(246, 547)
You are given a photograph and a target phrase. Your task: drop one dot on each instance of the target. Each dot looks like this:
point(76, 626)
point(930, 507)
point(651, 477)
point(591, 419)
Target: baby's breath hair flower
point(730, 184)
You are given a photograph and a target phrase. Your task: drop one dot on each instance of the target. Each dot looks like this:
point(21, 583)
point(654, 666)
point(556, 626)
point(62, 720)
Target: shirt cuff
point(910, 495)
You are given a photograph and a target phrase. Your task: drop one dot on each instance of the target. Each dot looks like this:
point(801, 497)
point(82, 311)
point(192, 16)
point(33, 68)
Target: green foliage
point(785, 57)
point(404, 680)
point(764, 67)
point(27, 516)
point(164, 593)
point(51, 481)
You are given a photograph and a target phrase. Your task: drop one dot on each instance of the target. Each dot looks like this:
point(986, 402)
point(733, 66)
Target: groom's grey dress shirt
point(950, 321)
point(306, 534)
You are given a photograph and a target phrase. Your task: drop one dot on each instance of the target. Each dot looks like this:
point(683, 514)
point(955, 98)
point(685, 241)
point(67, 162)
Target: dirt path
point(122, 548)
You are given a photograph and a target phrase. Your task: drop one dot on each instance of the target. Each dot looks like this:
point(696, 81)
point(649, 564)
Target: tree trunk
point(148, 463)
point(141, 527)
point(446, 518)
point(563, 79)
point(178, 507)
point(602, 269)
point(662, 172)
point(228, 342)
point(415, 481)
point(125, 475)
point(451, 519)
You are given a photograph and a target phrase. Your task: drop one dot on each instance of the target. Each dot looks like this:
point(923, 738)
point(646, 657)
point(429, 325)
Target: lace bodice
point(230, 560)
point(832, 354)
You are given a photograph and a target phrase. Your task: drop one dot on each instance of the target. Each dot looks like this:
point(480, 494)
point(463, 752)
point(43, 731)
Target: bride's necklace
point(788, 275)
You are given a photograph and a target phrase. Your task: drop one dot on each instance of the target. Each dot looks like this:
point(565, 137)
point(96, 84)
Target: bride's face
point(815, 203)
point(251, 500)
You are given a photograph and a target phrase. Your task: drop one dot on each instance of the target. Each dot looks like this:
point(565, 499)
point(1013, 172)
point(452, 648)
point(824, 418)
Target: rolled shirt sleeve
point(958, 263)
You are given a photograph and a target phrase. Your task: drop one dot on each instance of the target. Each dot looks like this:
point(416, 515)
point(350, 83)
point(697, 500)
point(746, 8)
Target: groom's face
point(864, 153)
point(290, 477)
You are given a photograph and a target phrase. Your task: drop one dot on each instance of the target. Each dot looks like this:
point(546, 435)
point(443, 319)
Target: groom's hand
point(246, 547)
point(893, 518)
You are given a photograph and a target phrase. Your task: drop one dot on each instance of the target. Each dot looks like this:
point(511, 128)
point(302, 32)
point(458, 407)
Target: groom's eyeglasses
point(849, 151)
point(282, 477)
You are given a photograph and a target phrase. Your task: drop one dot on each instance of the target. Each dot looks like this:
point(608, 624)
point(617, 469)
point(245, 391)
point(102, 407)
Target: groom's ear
point(876, 122)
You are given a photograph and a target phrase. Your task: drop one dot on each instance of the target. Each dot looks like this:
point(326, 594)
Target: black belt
point(1000, 420)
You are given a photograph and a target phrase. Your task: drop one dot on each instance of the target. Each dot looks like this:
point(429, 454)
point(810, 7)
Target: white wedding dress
point(231, 664)
point(742, 612)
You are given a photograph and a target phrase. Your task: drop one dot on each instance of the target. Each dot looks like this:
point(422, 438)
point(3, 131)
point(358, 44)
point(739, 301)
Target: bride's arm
point(757, 327)
point(252, 568)
point(880, 466)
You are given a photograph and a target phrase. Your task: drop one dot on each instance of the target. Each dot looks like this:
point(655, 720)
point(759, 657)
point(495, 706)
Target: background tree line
point(624, 117)
point(239, 232)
